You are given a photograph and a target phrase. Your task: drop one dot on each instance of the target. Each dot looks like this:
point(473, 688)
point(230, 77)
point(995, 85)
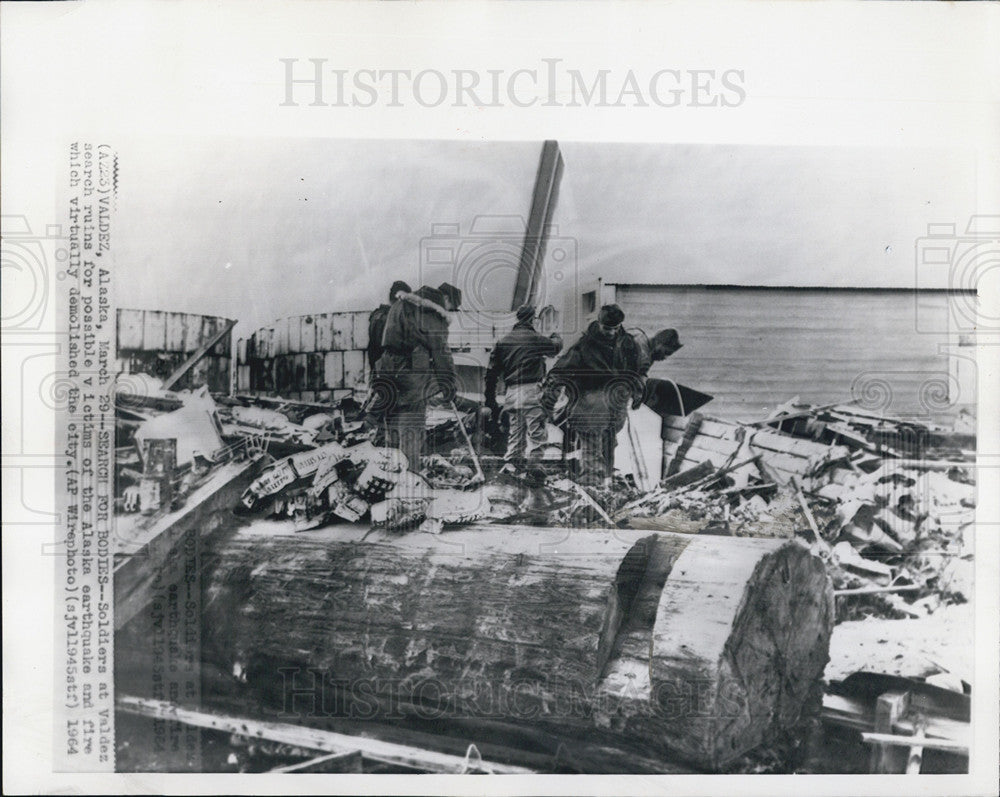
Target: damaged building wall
point(317, 357)
point(323, 357)
point(748, 346)
point(156, 343)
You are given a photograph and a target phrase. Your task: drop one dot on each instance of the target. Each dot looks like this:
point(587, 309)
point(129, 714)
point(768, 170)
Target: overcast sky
point(261, 229)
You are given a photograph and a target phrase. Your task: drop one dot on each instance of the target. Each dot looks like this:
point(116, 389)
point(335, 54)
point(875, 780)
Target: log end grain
point(738, 646)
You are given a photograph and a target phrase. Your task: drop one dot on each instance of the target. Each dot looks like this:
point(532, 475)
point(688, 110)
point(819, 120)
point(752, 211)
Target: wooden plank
point(789, 445)
point(692, 424)
point(877, 590)
point(307, 334)
point(130, 323)
point(191, 361)
point(675, 422)
point(929, 464)
point(797, 466)
point(543, 203)
point(915, 757)
point(718, 445)
point(333, 372)
point(310, 738)
point(889, 709)
point(176, 324)
point(216, 373)
point(243, 377)
point(686, 477)
point(315, 370)
point(949, 745)
point(359, 331)
point(284, 374)
point(672, 435)
point(280, 337)
point(324, 334)
point(350, 761)
point(697, 454)
point(154, 330)
point(715, 428)
point(192, 332)
point(295, 334)
point(354, 369)
point(300, 366)
point(205, 328)
point(342, 331)
point(241, 351)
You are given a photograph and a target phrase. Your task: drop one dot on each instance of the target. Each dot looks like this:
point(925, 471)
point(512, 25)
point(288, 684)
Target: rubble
point(887, 503)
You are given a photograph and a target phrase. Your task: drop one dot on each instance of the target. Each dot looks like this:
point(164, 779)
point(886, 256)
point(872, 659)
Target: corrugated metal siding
point(754, 349)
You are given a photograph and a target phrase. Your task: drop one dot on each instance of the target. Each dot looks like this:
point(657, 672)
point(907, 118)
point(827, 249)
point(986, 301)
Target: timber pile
point(672, 646)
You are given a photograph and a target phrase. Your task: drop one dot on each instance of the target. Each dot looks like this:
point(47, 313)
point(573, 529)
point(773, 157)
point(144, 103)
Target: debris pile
point(357, 480)
point(889, 504)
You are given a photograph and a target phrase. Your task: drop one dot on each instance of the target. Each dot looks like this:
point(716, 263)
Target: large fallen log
point(684, 647)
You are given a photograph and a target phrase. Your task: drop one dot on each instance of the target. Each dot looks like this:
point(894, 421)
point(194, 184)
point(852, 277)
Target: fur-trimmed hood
point(425, 304)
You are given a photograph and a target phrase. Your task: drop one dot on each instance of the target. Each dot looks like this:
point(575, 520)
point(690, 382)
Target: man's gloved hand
point(638, 393)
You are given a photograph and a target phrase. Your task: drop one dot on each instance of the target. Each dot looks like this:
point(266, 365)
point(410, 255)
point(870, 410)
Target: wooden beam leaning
point(536, 236)
point(204, 349)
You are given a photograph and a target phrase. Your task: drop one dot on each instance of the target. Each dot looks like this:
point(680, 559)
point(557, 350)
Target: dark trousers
point(405, 431)
point(597, 453)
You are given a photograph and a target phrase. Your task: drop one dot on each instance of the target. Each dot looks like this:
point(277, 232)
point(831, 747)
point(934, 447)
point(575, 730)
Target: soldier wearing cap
point(601, 375)
point(653, 350)
point(519, 359)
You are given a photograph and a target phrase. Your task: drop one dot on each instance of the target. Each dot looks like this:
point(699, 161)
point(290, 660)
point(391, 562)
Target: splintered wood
point(686, 648)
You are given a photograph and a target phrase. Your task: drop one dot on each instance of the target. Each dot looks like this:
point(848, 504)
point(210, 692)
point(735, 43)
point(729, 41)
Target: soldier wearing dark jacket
point(415, 364)
point(519, 359)
point(601, 376)
point(376, 323)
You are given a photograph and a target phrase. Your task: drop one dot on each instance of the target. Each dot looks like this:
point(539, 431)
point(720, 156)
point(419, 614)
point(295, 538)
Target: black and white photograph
point(388, 415)
point(542, 457)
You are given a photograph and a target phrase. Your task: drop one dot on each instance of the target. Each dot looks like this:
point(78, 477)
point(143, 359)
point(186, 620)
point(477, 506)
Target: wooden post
point(916, 753)
point(887, 758)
